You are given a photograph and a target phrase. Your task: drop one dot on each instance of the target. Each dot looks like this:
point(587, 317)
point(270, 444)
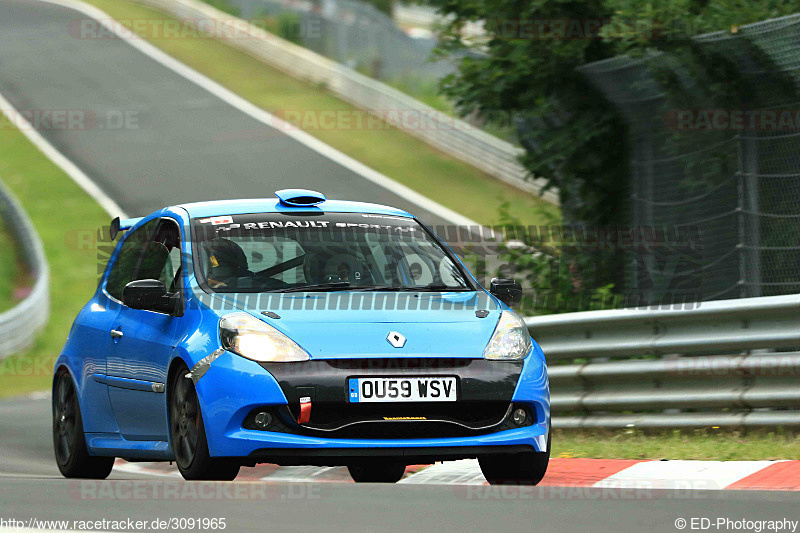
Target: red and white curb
point(594, 473)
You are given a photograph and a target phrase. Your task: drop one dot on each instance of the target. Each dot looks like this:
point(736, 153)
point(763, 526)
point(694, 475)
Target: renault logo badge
point(396, 340)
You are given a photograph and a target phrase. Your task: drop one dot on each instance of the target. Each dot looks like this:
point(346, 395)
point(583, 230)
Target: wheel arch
point(61, 368)
point(174, 367)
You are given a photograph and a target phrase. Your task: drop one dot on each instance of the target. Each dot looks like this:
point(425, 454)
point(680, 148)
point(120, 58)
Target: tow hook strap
point(305, 410)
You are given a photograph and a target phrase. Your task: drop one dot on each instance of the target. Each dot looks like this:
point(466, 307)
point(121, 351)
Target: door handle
point(116, 333)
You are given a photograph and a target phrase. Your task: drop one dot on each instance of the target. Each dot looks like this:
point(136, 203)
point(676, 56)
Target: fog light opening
point(519, 416)
point(263, 420)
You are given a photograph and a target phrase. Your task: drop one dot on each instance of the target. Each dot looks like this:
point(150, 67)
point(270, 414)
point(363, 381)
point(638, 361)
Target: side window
point(124, 268)
point(151, 252)
point(162, 257)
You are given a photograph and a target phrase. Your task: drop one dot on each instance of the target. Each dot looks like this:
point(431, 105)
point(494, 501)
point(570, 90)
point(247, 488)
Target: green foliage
point(424, 90)
point(289, 27)
point(536, 78)
point(528, 67)
point(43, 189)
point(384, 6)
point(669, 25)
point(707, 443)
point(556, 276)
point(8, 268)
point(224, 5)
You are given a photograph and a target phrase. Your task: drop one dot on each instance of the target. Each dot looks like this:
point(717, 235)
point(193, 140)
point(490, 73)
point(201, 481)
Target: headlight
point(510, 341)
point(251, 338)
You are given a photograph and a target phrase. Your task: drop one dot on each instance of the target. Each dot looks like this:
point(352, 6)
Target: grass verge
point(400, 156)
point(698, 444)
point(8, 269)
point(66, 219)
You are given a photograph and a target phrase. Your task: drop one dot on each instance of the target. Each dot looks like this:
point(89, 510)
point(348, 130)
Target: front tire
point(69, 440)
point(526, 468)
point(188, 435)
point(374, 472)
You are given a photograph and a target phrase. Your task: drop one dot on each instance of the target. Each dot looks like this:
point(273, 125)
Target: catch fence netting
point(728, 166)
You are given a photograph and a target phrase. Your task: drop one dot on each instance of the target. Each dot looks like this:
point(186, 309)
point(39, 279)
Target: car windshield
point(315, 251)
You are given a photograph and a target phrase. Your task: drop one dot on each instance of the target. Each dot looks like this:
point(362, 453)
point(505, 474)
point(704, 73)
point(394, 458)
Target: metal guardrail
point(18, 324)
point(682, 388)
point(452, 136)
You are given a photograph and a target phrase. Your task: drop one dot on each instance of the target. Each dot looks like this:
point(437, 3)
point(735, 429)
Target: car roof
point(273, 205)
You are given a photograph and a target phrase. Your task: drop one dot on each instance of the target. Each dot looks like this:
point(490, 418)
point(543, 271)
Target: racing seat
point(225, 262)
point(334, 267)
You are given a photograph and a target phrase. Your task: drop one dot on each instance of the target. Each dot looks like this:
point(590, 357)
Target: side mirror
point(148, 294)
point(509, 291)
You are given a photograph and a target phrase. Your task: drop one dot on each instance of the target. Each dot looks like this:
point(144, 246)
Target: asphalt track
point(189, 145)
point(147, 136)
point(30, 487)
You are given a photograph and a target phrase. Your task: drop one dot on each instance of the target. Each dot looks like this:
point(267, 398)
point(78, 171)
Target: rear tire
point(188, 435)
point(69, 440)
point(374, 472)
point(516, 469)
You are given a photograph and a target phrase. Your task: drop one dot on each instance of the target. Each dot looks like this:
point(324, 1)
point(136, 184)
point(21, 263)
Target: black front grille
point(404, 430)
point(472, 414)
point(485, 389)
point(407, 363)
point(393, 421)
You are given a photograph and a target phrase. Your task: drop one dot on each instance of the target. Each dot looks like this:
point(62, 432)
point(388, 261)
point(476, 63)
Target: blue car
point(298, 331)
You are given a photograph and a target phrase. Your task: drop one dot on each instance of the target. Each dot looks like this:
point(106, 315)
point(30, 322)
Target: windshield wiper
point(347, 286)
point(425, 288)
point(319, 287)
point(441, 288)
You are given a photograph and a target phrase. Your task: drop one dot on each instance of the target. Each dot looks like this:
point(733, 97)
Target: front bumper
point(235, 388)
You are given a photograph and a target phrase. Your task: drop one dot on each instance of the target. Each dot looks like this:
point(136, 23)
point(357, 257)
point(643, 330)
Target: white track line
point(136, 468)
point(60, 160)
point(687, 475)
point(262, 116)
point(465, 472)
point(297, 474)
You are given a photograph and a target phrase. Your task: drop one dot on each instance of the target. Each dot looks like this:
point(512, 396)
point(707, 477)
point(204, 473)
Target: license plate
point(417, 389)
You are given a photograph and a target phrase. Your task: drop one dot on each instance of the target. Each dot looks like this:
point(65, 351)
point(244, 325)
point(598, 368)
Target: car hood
point(338, 325)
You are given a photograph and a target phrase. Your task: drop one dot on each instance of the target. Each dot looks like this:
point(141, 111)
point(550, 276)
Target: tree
point(527, 67)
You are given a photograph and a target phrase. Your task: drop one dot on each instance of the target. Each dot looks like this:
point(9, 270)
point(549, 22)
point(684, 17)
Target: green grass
point(699, 444)
point(64, 217)
point(8, 269)
point(425, 91)
point(400, 156)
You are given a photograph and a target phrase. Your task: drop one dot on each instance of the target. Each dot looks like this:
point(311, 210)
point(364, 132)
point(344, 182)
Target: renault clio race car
point(299, 331)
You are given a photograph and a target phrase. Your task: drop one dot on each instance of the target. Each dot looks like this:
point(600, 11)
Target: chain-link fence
point(355, 34)
point(723, 159)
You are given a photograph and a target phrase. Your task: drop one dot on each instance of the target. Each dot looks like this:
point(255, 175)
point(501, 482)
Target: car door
point(143, 343)
point(94, 325)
